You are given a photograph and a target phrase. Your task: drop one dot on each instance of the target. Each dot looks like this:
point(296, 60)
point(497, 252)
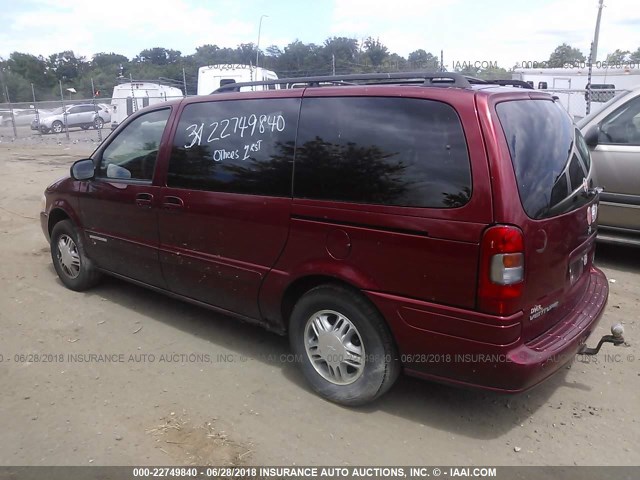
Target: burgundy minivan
point(416, 223)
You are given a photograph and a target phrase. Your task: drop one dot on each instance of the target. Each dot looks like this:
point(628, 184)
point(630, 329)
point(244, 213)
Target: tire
point(44, 129)
point(98, 124)
point(84, 127)
point(75, 270)
point(365, 341)
point(56, 127)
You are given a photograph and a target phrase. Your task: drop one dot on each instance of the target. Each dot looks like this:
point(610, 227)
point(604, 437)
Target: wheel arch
point(58, 213)
point(296, 289)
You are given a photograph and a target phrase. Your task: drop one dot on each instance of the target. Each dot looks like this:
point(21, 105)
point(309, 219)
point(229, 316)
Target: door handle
point(144, 200)
point(172, 202)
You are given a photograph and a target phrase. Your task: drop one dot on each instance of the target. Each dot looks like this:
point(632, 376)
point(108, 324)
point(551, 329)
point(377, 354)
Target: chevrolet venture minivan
point(386, 223)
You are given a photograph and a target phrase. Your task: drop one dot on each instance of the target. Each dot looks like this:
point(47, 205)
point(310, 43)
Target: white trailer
point(131, 96)
point(570, 84)
point(212, 77)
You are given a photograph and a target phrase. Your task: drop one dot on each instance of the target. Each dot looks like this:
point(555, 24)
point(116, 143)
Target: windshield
point(550, 158)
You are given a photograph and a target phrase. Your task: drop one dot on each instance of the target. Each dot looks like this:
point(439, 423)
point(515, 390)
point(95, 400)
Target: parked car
point(442, 228)
point(21, 116)
point(104, 112)
point(613, 137)
point(84, 116)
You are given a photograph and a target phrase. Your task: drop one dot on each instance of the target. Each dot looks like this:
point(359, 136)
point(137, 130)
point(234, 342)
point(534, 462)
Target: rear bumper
point(468, 348)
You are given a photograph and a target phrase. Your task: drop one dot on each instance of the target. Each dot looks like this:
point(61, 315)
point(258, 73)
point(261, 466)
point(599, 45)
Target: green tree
point(618, 57)
point(66, 66)
point(375, 51)
point(422, 60)
point(341, 50)
point(108, 60)
point(206, 55)
point(159, 56)
point(635, 56)
point(565, 54)
point(31, 68)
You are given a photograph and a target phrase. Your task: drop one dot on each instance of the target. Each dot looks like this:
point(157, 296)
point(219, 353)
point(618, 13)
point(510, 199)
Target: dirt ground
point(186, 386)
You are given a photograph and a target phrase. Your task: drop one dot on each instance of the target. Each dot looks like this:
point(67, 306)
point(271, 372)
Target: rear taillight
point(501, 280)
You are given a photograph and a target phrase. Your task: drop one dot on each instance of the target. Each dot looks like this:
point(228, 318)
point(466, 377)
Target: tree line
point(340, 55)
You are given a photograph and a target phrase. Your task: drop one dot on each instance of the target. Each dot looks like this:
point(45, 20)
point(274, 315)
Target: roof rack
point(427, 79)
point(500, 82)
point(511, 83)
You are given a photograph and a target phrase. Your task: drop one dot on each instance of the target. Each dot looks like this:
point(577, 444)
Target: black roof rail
point(427, 79)
point(500, 82)
point(476, 80)
point(513, 83)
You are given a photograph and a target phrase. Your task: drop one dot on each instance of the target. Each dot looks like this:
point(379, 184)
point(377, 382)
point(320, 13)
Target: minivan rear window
point(548, 154)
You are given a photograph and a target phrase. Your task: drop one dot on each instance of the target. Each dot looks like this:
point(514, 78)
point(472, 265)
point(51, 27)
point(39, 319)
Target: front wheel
point(346, 350)
point(98, 124)
point(72, 265)
point(56, 127)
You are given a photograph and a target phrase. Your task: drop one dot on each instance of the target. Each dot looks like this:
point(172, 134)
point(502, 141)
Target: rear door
point(557, 210)
point(225, 209)
point(74, 116)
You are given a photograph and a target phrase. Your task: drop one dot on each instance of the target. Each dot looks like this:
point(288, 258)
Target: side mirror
point(591, 135)
point(83, 169)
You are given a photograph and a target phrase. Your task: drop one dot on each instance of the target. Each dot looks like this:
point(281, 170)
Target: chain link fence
point(72, 119)
point(77, 118)
point(575, 101)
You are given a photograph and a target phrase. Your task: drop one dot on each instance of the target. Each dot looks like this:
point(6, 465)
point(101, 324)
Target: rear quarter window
point(549, 156)
point(378, 150)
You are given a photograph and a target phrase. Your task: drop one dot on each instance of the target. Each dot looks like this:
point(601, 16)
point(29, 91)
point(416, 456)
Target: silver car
point(83, 116)
point(613, 136)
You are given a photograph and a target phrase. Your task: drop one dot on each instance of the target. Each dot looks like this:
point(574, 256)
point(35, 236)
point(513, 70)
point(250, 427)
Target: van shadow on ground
point(618, 256)
point(466, 412)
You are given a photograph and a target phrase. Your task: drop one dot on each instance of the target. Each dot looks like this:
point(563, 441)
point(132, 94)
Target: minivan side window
point(132, 154)
point(622, 127)
point(379, 150)
point(236, 146)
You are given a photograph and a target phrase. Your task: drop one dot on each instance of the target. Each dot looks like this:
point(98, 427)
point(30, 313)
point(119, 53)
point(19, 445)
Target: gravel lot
point(186, 386)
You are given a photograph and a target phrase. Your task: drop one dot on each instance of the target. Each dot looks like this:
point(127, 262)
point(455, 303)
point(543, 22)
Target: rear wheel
point(74, 268)
point(345, 348)
point(56, 127)
point(44, 129)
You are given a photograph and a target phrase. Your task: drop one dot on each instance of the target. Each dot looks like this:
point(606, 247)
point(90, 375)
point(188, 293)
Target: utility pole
point(35, 106)
point(13, 117)
point(184, 82)
point(64, 110)
point(593, 55)
point(258, 44)
point(95, 110)
point(333, 64)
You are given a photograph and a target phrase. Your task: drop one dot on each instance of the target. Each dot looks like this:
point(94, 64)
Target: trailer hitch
point(616, 337)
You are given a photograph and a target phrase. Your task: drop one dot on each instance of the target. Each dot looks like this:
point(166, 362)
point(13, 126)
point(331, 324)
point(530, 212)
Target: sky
point(505, 32)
